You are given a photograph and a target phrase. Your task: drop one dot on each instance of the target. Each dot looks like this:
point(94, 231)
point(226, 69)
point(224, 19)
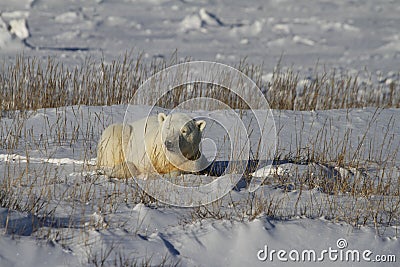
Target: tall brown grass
point(31, 84)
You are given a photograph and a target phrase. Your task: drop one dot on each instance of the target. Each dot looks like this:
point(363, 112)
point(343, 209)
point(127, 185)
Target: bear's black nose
point(169, 145)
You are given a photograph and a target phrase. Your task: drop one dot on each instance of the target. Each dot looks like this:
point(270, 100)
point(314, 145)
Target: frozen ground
point(87, 217)
point(350, 36)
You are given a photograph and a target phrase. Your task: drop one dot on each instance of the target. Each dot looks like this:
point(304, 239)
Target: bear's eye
point(184, 131)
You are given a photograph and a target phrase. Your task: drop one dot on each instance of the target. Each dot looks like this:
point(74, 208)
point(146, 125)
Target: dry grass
point(328, 90)
point(31, 84)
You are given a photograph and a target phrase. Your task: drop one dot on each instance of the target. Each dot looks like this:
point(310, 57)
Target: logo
point(234, 134)
point(339, 254)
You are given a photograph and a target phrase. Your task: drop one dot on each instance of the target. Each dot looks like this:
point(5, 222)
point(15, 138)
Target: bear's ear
point(161, 117)
point(201, 124)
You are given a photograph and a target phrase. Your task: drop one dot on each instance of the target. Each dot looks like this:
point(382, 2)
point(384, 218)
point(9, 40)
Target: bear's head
point(181, 135)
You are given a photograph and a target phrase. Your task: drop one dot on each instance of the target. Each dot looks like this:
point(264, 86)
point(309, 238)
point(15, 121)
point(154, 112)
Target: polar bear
point(157, 144)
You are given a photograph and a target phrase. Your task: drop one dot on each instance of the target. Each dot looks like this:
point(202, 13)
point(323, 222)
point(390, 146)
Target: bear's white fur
point(156, 144)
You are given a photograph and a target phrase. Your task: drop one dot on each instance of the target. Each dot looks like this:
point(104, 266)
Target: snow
point(191, 22)
point(67, 18)
point(83, 227)
point(19, 28)
point(342, 35)
point(104, 216)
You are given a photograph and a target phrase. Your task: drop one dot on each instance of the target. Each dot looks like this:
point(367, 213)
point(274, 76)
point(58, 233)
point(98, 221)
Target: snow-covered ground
point(350, 36)
point(85, 217)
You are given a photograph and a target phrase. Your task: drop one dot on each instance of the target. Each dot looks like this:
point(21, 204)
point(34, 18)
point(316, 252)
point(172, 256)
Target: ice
point(7, 41)
point(191, 22)
point(209, 18)
point(67, 17)
point(19, 28)
point(303, 40)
